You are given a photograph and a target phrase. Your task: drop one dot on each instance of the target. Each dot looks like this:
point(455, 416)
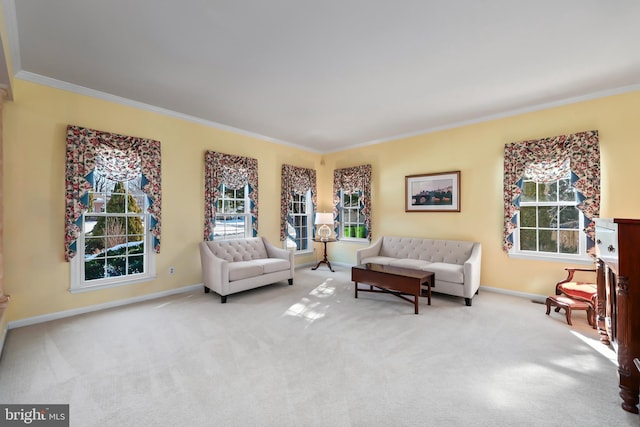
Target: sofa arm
point(215, 271)
point(472, 271)
point(369, 251)
point(276, 252)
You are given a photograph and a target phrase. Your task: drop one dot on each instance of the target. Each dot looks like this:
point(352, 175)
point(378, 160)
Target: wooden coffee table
point(399, 281)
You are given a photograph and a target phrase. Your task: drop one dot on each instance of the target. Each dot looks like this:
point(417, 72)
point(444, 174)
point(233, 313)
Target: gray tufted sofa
point(230, 266)
point(455, 263)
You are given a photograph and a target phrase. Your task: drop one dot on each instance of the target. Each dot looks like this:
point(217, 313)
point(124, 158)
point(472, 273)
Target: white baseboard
point(91, 308)
point(534, 297)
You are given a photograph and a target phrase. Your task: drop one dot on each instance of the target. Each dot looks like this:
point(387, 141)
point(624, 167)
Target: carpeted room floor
point(313, 355)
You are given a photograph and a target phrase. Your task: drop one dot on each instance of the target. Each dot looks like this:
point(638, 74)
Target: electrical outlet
point(172, 270)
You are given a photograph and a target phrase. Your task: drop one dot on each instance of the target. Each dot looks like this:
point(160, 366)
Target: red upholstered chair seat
point(587, 292)
point(581, 291)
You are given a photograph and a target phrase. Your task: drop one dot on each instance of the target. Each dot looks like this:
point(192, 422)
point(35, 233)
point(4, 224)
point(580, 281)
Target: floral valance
point(352, 180)
point(549, 159)
point(234, 172)
point(298, 181)
point(120, 158)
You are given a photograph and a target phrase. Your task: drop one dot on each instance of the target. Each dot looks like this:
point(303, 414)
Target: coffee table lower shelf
point(398, 281)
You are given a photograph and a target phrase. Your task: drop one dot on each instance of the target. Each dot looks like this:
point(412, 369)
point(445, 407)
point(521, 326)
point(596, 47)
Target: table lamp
point(322, 219)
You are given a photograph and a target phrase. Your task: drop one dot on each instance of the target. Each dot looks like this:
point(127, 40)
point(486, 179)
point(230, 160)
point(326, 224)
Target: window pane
point(528, 240)
point(94, 269)
point(567, 192)
point(548, 192)
point(93, 246)
point(528, 216)
point(116, 266)
point(547, 216)
point(136, 204)
point(136, 264)
point(548, 241)
point(569, 242)
point(135, 245)
point(569, 217)
point(528, 192)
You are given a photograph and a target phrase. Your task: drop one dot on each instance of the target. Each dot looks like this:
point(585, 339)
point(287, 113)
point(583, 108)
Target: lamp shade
point(324, 218)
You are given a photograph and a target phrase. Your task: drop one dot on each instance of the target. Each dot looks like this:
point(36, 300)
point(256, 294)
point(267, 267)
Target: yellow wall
point(36, 275)
point(477, 151)
point(34, 133)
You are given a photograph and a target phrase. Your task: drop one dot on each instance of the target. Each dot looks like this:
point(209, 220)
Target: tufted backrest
point(238, 250)
point(449, 251)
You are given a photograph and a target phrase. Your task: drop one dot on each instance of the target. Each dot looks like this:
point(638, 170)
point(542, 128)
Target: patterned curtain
point(121, 158)
point(547, 160)
point(295, 180)
point(351, 180)
point(234, 172)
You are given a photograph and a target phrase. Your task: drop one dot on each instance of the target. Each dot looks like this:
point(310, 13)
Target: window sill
point(566, 259)
point(354, 240)
point(304, 252)
point(88, 288)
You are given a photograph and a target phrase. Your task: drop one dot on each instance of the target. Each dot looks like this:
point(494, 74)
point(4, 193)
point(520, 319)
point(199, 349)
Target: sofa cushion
point(411, 263)
point(239, 250)
point(270, 265)
point(384, 260)
point(244, 269)
point(447, 272)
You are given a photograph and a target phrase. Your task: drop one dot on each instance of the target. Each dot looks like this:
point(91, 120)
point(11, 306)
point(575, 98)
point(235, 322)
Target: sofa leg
point(223, 299)
point(206, 290)
point(468, 302)
point(290, 282)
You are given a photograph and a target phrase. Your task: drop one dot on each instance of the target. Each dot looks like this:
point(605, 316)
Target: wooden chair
point(584, 291)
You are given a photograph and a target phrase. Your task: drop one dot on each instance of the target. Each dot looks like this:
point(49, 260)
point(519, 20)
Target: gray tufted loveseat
point(455, 263)
point(230, 266)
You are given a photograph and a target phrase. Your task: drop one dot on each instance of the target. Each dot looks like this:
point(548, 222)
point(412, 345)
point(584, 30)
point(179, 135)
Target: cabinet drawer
point(606, 239)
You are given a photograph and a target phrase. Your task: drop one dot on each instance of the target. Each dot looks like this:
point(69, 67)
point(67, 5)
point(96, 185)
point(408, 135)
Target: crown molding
point(81, 90)
point(505, 114)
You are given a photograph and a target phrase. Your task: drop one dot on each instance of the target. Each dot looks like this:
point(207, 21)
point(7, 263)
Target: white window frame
point(289, 242)
point(359, 222)
point(79, 284)
point(580, 258)
point(221, 215)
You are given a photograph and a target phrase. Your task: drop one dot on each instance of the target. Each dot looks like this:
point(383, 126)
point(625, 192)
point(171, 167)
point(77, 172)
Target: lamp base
point(324, 232)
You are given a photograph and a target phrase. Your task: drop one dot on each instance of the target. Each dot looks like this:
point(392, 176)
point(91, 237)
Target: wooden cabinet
point(618, 311)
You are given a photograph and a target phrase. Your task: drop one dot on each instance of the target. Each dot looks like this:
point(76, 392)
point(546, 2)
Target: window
point(353, 219)
point(230, 196)
point(297, 206)
point(114, 246)
point(232, 219)
point(352, 202)
point(113, 208)
point(299, 221)
point(549, 223)
point(551, 197)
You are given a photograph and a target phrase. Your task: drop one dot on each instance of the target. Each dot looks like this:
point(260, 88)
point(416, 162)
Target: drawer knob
point(598, 241)
point(611, 248)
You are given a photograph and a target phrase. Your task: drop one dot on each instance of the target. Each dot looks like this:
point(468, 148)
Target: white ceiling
point(330, 74)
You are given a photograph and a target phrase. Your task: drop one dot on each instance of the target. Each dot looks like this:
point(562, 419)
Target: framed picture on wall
point(433, 192)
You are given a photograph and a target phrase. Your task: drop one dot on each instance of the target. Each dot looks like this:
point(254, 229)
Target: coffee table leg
point(415, 301)
point(356, 290)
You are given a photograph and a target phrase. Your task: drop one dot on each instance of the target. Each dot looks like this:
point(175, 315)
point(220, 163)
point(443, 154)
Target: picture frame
point(433, 192)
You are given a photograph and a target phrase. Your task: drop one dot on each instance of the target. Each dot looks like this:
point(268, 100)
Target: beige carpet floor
point(312, 355)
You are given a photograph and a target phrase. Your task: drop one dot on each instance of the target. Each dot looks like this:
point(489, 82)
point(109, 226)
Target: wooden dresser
point(618, 311)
